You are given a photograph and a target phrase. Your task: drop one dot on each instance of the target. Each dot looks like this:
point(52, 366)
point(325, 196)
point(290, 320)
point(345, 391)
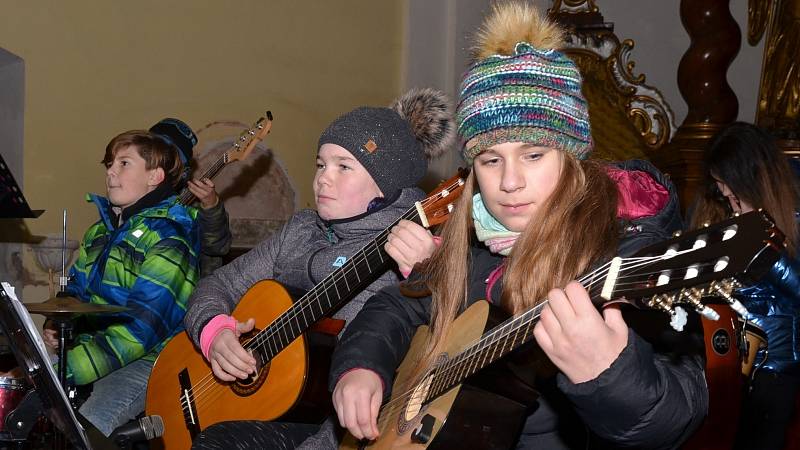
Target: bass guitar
point(450, 406)
point(239, 151)
point(185, 393)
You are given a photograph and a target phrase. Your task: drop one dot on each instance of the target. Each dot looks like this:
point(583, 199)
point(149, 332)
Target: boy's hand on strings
point(357, 400)
point(204, 191)
point(229, 360)
point(580, 341)
point(409, 244)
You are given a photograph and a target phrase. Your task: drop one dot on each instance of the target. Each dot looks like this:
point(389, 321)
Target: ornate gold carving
point(779, 92)
point(573, 6)
point(629, 118)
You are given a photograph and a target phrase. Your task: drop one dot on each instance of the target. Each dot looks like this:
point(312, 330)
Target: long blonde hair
point(575, 228)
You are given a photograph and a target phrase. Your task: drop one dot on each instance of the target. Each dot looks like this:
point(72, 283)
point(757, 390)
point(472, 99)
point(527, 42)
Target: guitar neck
point(186, 197)
point(665, 276)
point(492, 346)
point(500, 341)
point(340, 286)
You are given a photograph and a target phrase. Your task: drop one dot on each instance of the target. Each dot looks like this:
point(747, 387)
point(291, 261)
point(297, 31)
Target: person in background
point(745, 170)
point(215, 229)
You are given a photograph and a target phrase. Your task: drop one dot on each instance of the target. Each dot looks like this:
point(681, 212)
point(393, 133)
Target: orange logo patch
point(370, 146)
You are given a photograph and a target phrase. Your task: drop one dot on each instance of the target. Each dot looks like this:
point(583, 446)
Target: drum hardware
point(69, 307)
point(19, 422)
point(751, 339)
point(61, 311)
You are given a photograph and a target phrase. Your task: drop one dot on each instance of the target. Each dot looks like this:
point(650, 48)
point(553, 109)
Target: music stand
point(12, 203)
point(47, 394)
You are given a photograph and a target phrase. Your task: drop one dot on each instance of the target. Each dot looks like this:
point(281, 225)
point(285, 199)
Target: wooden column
point(715, 41)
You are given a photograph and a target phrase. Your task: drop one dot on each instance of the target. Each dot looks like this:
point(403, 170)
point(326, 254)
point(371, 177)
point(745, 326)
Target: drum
point(12, 391)
point(755, 339)
point(7, 360)
point(725, 382)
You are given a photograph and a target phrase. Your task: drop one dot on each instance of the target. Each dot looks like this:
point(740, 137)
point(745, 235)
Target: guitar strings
point(209, 381)
point(306, 301)
point(385, 232)
point(632, 260)
point(390, 408)
point(302, 304)
point(398, 403)
point(511, 327)
point(525, 319)
point(186, 195)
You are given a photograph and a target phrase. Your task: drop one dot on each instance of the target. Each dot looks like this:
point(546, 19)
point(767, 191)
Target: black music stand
point(12, 202)
point(46, 394)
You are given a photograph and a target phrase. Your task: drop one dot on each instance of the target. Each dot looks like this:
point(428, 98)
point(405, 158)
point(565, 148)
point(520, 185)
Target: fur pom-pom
point(512, 22)
point(430, 114)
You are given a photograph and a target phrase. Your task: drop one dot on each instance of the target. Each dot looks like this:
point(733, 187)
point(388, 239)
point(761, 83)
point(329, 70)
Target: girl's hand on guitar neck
point(578, 340)
point(409, 244)
point(229, 360)
point(357, 400)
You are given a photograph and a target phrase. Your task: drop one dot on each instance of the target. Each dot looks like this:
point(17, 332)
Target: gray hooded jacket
point(304, 252)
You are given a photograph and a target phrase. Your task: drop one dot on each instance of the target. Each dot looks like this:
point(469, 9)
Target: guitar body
point(473, 412)
point(278, 391)
point(293, 342)
point(444, 409)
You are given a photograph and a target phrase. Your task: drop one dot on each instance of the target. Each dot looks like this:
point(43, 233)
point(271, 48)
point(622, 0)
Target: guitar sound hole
point(417, 402)
point(252, 383)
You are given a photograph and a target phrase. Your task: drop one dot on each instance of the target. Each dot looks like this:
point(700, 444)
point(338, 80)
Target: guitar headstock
point(248, 140)
point(438, 205)
point(712, 260)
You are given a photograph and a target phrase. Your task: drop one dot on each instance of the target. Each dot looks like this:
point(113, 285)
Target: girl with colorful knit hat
point(536, 214)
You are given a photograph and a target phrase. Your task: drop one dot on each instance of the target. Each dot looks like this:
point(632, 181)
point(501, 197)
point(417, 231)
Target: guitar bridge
point(188, 404)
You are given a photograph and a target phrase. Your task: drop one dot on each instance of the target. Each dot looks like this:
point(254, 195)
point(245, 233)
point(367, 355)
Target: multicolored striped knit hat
point(521, 89)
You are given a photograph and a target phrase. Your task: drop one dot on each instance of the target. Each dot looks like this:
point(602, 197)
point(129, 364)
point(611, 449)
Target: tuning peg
point(269, 115)
point(676, 233)
point(724, 288)
point(693, 296)
point(662, 302)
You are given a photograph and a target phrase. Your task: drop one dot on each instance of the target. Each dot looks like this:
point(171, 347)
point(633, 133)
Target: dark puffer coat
point(653, 395)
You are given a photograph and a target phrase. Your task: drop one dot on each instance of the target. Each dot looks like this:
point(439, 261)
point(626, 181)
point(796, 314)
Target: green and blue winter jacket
point(148, 263)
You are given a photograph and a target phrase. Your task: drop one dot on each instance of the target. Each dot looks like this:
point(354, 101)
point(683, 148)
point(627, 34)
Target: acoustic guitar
point(451, 406)
point(239, 151)
point(292, 366)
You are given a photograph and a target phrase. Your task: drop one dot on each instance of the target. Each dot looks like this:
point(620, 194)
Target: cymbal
point(70, 305)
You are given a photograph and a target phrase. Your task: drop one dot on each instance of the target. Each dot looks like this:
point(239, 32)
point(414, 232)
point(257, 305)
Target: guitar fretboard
point(186, 197)
point(497, 343)
point(338, 287)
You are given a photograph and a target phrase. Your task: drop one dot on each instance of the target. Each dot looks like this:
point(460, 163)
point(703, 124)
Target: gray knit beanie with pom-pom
point(394, 144)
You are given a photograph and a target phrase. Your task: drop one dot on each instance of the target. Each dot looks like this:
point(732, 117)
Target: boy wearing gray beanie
point(369, 161)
